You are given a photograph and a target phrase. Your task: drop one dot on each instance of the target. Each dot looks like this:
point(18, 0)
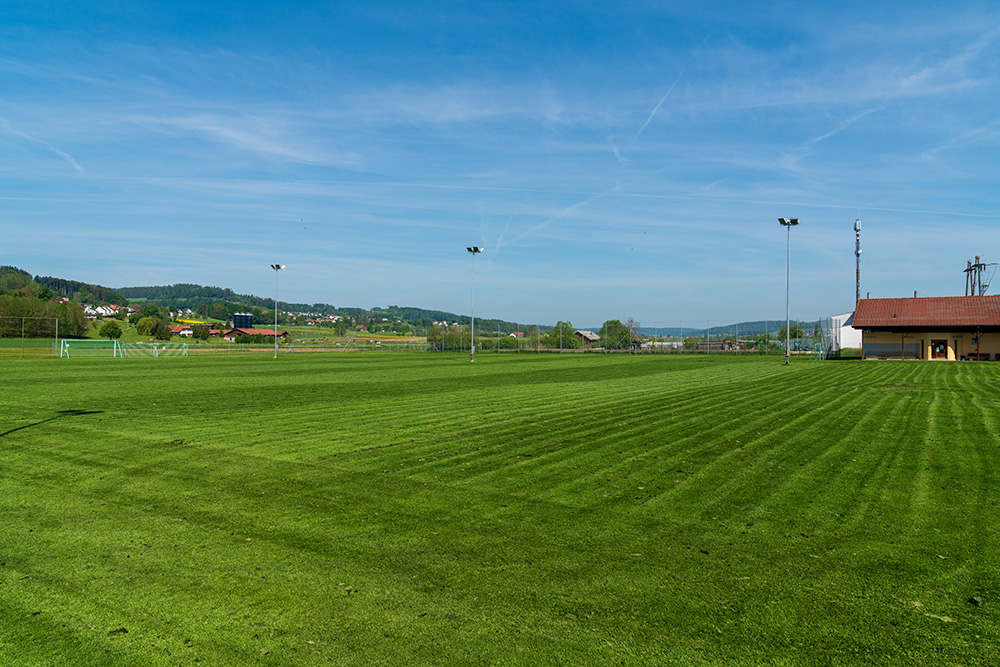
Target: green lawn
point(410, 509)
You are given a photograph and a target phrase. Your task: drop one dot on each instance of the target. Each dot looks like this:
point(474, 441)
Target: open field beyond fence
point(404, 509)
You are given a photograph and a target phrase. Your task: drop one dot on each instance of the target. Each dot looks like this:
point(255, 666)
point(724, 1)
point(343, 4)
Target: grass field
point(12, 348)
point(403, 509)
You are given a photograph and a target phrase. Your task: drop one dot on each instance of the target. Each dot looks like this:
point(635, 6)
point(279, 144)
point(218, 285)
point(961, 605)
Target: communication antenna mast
point(857, 259)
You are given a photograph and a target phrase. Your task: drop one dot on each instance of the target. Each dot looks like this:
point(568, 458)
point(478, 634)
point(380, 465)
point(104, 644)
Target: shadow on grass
point(58, 415)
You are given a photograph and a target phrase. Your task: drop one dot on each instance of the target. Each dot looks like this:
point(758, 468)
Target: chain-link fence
point(39, 337)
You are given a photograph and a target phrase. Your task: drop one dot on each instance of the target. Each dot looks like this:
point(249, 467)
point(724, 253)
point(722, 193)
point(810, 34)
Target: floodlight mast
point(474, 250)
point(276, 267)
point(788, 224)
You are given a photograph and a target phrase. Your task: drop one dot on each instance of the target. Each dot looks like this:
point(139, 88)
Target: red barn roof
point(940, 311)
point(253, 332)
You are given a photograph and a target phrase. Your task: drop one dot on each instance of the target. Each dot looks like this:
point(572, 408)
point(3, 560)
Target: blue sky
point(614, 159)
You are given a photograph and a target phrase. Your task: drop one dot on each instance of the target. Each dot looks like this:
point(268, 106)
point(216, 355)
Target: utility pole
point(974, 278)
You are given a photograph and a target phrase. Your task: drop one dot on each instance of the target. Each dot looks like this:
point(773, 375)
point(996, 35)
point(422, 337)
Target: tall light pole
point(472, 333)
point(276, 267)
point(788, 224)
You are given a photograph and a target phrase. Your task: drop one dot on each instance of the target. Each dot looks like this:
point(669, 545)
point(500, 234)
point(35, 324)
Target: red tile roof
point(938, 311)
point(253, 332)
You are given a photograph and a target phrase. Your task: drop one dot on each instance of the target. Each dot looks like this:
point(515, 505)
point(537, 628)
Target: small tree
point(434, 336)
point(634, 326)
point(795, 331)
point(563, 337)
point(533, 336)
point(201, 331)
point(615, 335)
point(150, 309)
point(161, 331)
point(110, 330)
point(144, 326)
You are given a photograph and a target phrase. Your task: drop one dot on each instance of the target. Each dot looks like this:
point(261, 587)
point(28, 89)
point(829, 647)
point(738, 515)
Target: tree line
point(29, 309)
point(613, 335)
point(82, 292)
point(34, 318)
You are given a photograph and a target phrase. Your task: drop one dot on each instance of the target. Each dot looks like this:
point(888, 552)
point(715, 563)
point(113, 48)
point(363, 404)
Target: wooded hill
point(221, 303)
point(29, 308)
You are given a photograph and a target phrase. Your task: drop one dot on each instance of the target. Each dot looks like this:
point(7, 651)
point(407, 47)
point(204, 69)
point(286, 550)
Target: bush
point(110, 330)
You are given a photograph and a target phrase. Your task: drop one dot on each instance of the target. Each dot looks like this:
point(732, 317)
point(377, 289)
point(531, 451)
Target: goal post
point(74, 348)
point(155, 350)
point(71, 348)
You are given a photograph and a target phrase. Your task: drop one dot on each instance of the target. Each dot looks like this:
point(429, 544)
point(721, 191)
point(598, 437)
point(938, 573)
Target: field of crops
point(408, 509)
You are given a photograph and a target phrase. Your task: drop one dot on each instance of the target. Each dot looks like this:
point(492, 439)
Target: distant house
point(516, 334)
point(951, 327)
point(232, 334)
point(588, 337)
point(181, 330)
point(108, 311)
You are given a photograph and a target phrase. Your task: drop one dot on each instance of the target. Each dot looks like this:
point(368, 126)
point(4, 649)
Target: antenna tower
point(857, 260)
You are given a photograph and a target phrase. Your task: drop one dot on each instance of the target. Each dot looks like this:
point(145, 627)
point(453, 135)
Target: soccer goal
point(112, 348)
point(71, 348)
point(154, 349)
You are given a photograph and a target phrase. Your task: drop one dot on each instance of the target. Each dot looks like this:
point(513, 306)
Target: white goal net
point(89, 348)
point(112, 348)
point(154, 349)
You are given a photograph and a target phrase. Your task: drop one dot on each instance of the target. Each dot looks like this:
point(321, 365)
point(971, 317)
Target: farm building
point(233, 333)
point(951, 327)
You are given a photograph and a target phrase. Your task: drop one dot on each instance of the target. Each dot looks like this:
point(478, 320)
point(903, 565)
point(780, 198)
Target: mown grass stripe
point(223, 507)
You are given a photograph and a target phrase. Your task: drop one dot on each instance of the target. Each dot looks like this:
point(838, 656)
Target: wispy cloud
point(49, 147)
point(656, 109)
point(790, 160)
point(622, 160)
point(564, 213)
point(950, 70)
point(986, 133)
point(270, 136)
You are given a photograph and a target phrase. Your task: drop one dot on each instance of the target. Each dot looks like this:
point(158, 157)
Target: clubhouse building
point(948, 328)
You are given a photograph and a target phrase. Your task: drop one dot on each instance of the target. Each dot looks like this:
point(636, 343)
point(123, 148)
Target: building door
point(939, 349)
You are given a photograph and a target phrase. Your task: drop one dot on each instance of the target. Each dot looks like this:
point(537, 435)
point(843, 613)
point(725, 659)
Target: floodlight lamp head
point(474, 250)
point(277, 267)
point(790, 222)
